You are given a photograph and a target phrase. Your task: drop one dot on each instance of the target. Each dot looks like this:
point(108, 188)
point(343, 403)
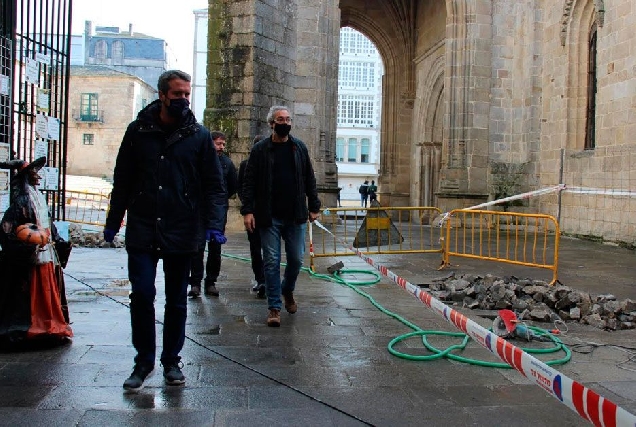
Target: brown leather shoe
point(290, 303)
point(273, 318)
point(211, 290)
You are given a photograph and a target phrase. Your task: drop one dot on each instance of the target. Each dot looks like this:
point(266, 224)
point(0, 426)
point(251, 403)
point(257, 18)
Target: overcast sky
point(171, 20)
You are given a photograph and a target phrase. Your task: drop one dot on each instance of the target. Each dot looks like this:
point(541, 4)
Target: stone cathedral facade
point(482, 99)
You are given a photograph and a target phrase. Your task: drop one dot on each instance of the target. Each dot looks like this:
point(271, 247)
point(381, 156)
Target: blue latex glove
point(109, 235)
point(216, 235)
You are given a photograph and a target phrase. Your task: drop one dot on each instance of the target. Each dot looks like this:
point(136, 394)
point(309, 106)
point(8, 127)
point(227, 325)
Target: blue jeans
point(293, 234)
point(142, 271)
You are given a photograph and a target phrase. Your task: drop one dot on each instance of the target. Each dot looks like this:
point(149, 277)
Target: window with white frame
point(355, 110)
point(352, 152)
point(355, 43)
point(365, 150)
point(355, 74)
point(340, 149)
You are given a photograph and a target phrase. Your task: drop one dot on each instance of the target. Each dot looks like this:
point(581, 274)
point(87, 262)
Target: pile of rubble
point(91, 239)
point(535, 300)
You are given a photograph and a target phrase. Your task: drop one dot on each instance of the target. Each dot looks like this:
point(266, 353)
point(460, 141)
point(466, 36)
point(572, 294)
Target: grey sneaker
point(135, 381)
point(173, 375)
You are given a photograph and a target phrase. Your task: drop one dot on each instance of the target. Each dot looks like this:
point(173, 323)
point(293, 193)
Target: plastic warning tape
point(584, 401)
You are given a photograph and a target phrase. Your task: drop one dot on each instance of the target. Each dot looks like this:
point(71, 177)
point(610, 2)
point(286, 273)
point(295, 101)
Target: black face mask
point(178, 108)
point(282, 129)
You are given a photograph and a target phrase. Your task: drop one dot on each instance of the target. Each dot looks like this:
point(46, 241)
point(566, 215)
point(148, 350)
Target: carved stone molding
point(568, 6)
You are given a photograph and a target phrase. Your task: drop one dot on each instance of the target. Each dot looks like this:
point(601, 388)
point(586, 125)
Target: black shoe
point(135, 381)
point(173, 375)
point(260, 293)
point(255, 287)
point(195, 291)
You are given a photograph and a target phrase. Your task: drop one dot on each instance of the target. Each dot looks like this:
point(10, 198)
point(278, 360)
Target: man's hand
point(109, 235)
point(215, 235)
point(249, 222)
point(313, 216)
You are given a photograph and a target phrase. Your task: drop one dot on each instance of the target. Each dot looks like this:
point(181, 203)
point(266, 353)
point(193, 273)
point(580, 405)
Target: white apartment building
point(359, 111)
point(200, 59)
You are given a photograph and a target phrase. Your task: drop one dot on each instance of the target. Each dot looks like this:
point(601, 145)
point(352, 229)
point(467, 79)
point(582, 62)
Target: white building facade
point(199, 73)
point(359, 111)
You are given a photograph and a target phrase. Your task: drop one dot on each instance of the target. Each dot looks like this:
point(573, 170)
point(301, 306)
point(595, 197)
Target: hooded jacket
point(170, 184)
point(256, 185)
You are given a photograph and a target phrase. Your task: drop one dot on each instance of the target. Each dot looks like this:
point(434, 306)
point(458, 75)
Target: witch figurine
point(33, 307)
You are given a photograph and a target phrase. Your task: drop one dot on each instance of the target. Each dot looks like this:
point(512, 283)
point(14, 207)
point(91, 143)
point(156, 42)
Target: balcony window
point(340, 149)
point(352, 154)
point(365, 147)
point(88, 107)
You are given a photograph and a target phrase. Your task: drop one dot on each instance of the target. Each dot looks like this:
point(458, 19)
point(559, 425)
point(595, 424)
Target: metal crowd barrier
point(530, 240)
point(378, 230)
point(87, 207)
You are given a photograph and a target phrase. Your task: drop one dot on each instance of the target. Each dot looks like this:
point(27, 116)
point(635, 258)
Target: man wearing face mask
point(279, 197)
point(169, 180)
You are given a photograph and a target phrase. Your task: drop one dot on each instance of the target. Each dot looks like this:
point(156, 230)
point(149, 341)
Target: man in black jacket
point(254, 237)
point(169, 180)
point(213, 263)
point(279, 196)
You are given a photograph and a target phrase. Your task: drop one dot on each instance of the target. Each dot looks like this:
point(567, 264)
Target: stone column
point(464, 174)
point(317, 90)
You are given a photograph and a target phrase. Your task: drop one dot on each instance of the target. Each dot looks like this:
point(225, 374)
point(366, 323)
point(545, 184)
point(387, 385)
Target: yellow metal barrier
point(86, 207)
point(530, 240)
point(378, 230)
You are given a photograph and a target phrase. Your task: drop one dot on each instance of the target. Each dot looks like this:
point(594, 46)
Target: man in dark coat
point(279, 197)
point(213, 263)
point(169, 180)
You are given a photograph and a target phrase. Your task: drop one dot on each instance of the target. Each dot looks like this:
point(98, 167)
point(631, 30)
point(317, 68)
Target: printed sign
point(31, 72)
point(4, 152)
point(4, 84)
point(44, 96)
point(50, 178)
point(54, 128)
point(41, 149)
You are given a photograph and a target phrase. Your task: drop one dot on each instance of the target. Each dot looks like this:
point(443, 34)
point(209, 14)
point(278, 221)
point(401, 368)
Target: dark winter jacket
point(229, 175)
point(171, 185)
point(256, 188)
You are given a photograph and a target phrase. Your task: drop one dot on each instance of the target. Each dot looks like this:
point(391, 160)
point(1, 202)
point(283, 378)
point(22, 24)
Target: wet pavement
point(327, 365)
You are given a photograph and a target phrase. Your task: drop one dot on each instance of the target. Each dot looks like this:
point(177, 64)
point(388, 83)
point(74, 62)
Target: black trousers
point(257, 256)
point(212, 265)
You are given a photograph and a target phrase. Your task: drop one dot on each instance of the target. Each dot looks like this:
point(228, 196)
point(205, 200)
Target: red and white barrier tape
point(584, 401)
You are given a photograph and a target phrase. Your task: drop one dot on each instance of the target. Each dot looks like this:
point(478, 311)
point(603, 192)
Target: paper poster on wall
point(41, 126)
point(4, 152)
point(50, 178)
point(4, 202)
point(4, 84)
point(4, 180)
point(42, 58)
point(31, 71)
point(44, 95)
point(54, 128)
point(41, 149)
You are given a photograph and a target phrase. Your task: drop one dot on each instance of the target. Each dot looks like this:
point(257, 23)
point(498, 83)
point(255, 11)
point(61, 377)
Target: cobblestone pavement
point(326, 365)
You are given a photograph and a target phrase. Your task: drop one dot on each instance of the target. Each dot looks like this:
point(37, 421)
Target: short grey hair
point(163, 84)
point(273, 110)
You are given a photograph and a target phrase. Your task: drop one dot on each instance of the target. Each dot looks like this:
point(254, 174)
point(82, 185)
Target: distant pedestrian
point(213, 262)
point(279, 196)
point(338, 200)
point(169, 180)
point(364, 193)
point(373, 197)
point(253, 237)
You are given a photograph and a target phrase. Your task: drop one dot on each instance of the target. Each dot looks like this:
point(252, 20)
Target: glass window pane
point(352, 154)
